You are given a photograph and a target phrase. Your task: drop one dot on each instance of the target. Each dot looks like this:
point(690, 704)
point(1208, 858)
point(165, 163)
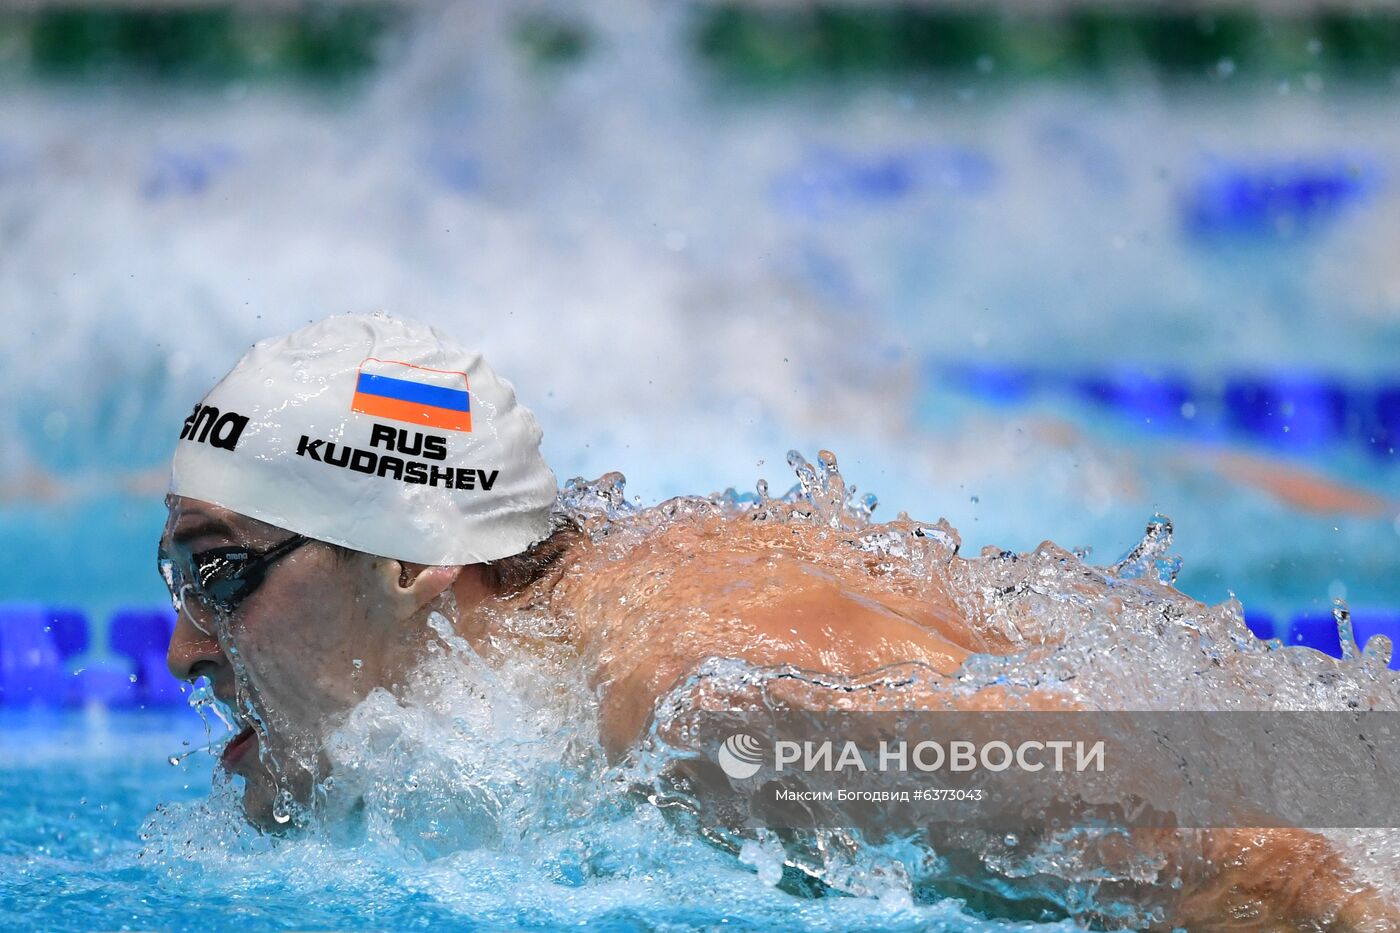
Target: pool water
point(74, 859)
point(101, 832)
point(1028, 309)
point(476, 801)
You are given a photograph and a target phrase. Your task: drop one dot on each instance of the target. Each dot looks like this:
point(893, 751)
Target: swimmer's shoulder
point(677, 570)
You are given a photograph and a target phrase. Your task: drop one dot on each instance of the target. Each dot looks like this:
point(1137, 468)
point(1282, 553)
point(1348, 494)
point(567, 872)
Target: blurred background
point(1045, 269)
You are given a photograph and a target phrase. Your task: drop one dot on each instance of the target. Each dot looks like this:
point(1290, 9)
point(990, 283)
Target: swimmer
point(342, 485)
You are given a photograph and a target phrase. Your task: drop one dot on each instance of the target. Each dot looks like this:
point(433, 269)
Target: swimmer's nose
point(192, 651)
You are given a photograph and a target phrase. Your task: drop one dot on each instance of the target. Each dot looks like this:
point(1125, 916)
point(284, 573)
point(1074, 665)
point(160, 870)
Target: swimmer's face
point(319, 632)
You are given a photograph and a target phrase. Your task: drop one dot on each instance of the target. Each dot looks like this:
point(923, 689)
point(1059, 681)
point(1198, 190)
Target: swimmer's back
point(765, 594)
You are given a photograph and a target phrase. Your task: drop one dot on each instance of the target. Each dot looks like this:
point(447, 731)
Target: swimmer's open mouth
point(238, 747)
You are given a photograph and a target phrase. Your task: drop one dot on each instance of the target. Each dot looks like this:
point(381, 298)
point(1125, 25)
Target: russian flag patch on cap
point(399, 391)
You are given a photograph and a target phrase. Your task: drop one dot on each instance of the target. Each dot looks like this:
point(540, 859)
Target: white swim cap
point(374, 433)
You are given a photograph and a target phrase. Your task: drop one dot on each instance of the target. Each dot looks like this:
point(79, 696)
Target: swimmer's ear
point(419, 584)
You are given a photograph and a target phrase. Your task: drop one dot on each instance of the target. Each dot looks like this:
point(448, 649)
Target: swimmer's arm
point(808, 626)
point(1270, 879)
point(1277, 876)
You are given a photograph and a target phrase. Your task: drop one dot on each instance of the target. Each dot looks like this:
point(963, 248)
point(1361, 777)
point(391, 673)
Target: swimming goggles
point(223, 577)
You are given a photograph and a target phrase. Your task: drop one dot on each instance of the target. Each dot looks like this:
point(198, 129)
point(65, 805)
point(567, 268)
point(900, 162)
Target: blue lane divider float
point(142, 635)
point(47, 658)
point(1261, 624)
point(1284, 199)
point(1290, 411)
point(1298, 411)
point(1316, 630)
point(95, 681)
point(830, 179)
point(1158, 401)
point(990, 382)
point(1382, 426)
point(32, 671)
point(107, 682)
point(69, 629)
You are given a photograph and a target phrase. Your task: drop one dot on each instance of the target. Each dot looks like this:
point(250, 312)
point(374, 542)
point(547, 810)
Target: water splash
point(1149, 554)
point(474, 765)
point(1044, 622)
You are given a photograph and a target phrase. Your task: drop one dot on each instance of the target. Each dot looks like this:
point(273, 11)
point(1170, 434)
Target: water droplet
point(1350, 650)
point(1147, 552)
point(1378, 651)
